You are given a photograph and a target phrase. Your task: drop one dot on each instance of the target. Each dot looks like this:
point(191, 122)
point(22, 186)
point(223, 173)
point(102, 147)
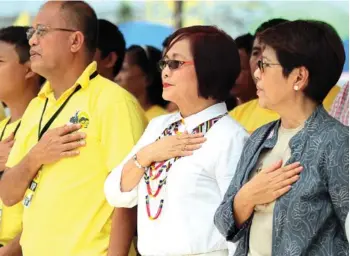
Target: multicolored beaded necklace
point(156, 169)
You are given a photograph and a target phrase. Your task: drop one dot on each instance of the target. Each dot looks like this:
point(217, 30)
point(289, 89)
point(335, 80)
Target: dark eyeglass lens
point(173, 64)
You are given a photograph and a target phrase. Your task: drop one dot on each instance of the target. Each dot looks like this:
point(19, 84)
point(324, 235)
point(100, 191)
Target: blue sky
point(12, 8)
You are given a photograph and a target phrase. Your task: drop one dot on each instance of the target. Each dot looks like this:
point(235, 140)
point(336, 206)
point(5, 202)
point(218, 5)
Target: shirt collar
point(194, 120)
point(83, 80)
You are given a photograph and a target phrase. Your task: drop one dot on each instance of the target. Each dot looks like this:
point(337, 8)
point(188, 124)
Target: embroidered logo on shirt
point(80, 117)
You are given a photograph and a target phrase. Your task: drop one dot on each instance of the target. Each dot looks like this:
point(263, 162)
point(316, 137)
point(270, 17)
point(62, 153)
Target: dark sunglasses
point(172, 64)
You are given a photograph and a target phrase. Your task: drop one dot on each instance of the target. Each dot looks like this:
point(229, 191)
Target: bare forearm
point(123, 231)
point(131, 174)
point(242, 208)
point(13, 248)
point(16, 180)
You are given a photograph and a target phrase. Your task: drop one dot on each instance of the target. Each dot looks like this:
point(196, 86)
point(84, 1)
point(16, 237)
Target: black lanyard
point(54, 116)
point(15, 131)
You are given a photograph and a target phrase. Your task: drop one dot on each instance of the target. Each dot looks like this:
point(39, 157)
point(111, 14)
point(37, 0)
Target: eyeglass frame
point(46, 29)
point(166, 63)
point(261, 64)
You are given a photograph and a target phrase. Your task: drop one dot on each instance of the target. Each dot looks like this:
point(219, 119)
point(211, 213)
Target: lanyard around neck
point(7, 123)
point(42, 131)
point(1, 137)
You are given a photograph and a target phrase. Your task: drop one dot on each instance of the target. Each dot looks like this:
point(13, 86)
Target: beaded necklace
point(156, 169)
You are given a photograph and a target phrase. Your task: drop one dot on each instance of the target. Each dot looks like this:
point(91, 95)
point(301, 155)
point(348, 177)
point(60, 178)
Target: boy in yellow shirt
point(18, 86)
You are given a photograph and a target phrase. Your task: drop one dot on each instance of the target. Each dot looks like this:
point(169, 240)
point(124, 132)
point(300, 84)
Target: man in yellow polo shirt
point(65, 212)
point(250, 115)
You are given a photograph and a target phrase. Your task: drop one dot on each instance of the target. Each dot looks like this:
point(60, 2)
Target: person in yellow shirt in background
point(109, 57)
point(18, 86)
point(250, 114)
point(244, 89)
point(78, 128)
point(110, 51)
point(140, 76)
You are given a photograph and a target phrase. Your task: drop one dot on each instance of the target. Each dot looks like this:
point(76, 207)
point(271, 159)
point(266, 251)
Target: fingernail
point(82, 142)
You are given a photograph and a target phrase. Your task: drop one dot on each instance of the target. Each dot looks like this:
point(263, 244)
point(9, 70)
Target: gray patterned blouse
point(310, 218)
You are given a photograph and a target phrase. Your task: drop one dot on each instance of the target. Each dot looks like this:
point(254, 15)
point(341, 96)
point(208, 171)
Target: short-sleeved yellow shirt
point(68, 214)
point(11, 217)
point(251, 116)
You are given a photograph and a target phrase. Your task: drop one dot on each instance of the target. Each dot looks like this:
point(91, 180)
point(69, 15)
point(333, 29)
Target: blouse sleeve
point(223, 219)
point(113, 193)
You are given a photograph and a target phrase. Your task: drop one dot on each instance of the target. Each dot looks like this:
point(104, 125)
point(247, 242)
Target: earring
point(296, 88)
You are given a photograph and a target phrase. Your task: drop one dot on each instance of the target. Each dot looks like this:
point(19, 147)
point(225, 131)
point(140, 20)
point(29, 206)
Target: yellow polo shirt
point(68, 215)
point(155, 111)
point(328, 101)
point(251, 116)
point(11, 218)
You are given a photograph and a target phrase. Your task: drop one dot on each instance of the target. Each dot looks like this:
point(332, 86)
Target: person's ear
point(110, 60)
point(301, 78)
point(28, 71)
point(76, 40)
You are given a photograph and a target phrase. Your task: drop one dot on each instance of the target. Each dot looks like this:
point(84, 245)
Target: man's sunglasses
point(172, 64)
